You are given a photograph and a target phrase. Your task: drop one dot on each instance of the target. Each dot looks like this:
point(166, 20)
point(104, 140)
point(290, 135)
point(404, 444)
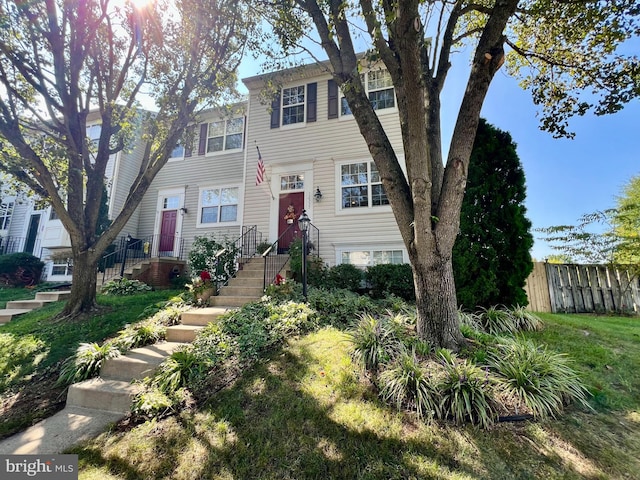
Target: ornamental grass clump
point(535, 379)
point(86, 362)
point(141, 334)
point(466, 394)
point(525, 320)
point(497, 321)
point(375, 341)
point(406, 383)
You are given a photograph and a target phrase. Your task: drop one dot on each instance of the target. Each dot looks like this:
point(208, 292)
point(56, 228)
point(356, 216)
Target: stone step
point(202, 316)
point(219, 301)
point(7, 314)
point(102, 394)
point(182, 333)
point(25, 304)
point(138, 362)
point(53, 296)
point(246, 282)
point(233, 291)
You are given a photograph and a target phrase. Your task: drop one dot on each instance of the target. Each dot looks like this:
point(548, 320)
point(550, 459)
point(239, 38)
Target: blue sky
point(566, 178)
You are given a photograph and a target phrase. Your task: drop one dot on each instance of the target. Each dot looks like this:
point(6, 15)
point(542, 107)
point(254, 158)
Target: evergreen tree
point(491, 258)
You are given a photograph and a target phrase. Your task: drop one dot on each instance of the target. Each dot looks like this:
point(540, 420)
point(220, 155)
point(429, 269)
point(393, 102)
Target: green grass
point(304, 414)
point(8, 294)
point(35, 342)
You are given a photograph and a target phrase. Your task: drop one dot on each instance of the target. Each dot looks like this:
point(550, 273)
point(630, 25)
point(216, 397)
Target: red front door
point(290, 209)
point(168, 232)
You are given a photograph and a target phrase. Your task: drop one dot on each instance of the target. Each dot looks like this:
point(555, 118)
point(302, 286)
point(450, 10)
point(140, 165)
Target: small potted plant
point(202, 287)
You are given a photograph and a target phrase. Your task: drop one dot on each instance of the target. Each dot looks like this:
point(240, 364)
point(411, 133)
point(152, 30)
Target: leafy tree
point(491, 259)
point(559, 258)
point(63, 62)
point(626, 225)
point(558, 48)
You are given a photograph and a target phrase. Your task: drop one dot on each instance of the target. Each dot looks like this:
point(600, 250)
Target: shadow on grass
point(301, 415)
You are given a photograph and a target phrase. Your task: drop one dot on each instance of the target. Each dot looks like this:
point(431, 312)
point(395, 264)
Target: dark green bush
point(345, 276)
point(396, 279)
point(340, 307)
point(315, 266)
point(20, 269)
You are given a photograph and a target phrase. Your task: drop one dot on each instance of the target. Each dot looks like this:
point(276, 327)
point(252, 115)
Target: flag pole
point(265, 175)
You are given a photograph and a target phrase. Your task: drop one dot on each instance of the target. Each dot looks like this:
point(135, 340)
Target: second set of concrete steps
point(18, 307)
point(115, 388)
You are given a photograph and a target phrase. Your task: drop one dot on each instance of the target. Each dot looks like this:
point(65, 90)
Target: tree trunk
point(83, 289)
point(437, 321)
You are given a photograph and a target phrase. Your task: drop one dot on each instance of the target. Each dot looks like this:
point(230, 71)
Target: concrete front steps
point(18, 307)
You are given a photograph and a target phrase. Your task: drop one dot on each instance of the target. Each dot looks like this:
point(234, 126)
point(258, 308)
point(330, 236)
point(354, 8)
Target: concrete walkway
point(59, 432)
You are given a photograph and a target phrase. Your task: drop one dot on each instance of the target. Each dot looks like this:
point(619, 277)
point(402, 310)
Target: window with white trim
point(6, 211)
point(293, 105)
point(361, 186)
point(292, 182)
point(177, 153)
point(218, 205)
point(367, 258)
point(379, 88)
point(225, 135)
point(62, 266)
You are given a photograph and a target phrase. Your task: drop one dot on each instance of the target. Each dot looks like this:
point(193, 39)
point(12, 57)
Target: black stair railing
point(245, 247)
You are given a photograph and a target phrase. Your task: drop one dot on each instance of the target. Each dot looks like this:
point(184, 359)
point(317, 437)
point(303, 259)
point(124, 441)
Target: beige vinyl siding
point(189, 175)
point(323, 144)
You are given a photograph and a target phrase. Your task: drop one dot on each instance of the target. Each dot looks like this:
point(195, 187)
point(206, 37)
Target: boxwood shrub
point(396, 279)
point(20, 269)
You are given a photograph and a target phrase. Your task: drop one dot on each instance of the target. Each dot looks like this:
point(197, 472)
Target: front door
point(290, 208)
point(32, 233)
point(168, 232)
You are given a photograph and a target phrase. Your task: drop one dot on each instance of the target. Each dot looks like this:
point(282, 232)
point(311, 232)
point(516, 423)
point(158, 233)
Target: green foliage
point(315, 265)
point(287, 290)
point(262, 247)
point(86, 362)
point(214, 345)
point(141, 334)
point(340, 307)
point(536, 378)
point(626, 226)
point(391, 279)
point(491, 259)
point(20, 269)
point(218, 258)
point(181, 368)
point(152, 402)
point(497, 321)
point(526, 321)
point(375, 341)
point(344, 276)
point(124, 286)
point(405, 383)
point(466, 394)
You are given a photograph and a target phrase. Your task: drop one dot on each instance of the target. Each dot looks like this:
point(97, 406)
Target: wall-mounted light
point(183, 210)
point(318, 194)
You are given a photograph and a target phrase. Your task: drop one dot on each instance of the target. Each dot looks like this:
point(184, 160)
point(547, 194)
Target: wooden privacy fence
point(569, 288)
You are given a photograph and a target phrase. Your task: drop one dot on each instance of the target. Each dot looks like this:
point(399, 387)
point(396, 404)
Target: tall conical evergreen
point(491, 258)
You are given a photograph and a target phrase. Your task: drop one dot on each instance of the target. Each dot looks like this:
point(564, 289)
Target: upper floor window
point(177, 153)
point(361, 186)
point(379, 89)
point(6, 211)
point(225, 135)
point(293, 105)
point(53, 215)
point(218, 205)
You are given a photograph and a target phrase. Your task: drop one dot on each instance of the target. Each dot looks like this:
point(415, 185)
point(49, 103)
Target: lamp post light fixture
point(303, 223)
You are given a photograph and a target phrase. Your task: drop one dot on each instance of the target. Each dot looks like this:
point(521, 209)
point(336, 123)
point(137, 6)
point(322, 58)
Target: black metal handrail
point(129, 251)
point(275, 261)
point(246, 248)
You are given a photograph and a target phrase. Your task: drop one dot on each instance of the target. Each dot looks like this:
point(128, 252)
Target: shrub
point(153, 402)
point(393, 279)
point(213, 345)
point(86, 362)
point(339, 307)
point(346, 276)
point(466, 394)
point(262, 247)
point(20, 269)
point(536, 378)
point(202, 258)
point(181, 368)
point(406, 383)
point(375, 341)
point(315, 265)
point(124, 286)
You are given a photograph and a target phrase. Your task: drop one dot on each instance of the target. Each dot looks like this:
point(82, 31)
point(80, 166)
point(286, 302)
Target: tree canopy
point(491, 259)
point(66, 63)
point(566, 53)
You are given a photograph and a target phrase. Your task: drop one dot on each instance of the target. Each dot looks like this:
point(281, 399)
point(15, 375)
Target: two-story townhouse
point(317, 160)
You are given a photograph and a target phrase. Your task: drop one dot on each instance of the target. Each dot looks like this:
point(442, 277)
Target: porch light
point(318, 194)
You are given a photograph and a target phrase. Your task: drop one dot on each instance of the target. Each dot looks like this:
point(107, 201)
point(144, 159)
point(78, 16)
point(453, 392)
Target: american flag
point(260, 170)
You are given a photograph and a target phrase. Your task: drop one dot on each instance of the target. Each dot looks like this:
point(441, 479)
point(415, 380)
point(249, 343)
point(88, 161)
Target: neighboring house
point(315, 159)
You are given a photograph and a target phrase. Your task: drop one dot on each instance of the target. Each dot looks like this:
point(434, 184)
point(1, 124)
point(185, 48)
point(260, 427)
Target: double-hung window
point(293, 105)
point(62, 266)
point(177, 153)
point(225, 135)
point(379, 89)
point(361, 186)
point(218, 205)
point(6, 211)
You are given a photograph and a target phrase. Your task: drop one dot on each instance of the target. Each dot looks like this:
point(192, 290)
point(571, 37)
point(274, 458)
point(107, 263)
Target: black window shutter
point(333, 98)
point(202, 144)
point(312, 101)
point(275, 111)
point(188, 149)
